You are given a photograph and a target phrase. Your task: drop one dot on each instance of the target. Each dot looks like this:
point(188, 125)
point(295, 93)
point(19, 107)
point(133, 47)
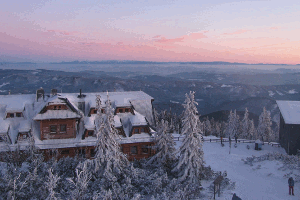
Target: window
point(63, 128)
point(11, 115)
point(142, 130)
point(133, 150)
point(53, 129)
point(95, 111)
point(81, 153)
point(65, 152)
point(102, 110)
point(136, 130)
point(24, 136)
point(120, 110)
point(145, 149)
point(52, 152)
point(121, 148)
point(18, 114)
point(59, 107)
point(1, 138)
point(93, 153)
point(126, 110)
point(90, 133)
point(54, 107)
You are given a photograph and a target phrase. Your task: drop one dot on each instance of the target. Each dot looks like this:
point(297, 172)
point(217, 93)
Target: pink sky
point(170, 31)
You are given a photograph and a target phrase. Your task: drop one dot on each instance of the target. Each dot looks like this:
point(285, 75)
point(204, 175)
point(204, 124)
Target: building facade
point(289, 133)
point(64, 124)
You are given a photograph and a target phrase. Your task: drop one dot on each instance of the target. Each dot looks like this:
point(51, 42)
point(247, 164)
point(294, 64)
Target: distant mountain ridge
point(155, 62)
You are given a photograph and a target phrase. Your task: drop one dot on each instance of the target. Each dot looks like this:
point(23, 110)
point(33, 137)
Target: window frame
point(132, 148)
point(145, 147)
point(60, 128)
point(52, 127)
point(18, 113)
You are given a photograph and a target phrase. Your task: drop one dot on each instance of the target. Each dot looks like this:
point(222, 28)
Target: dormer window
point(53, 129)
point(54, 107)
point(121, 110)
point(142, 130)
point(95, 111)
point(59, 107)
point(11, 115)
point(136, 130)
point(18, 114)
point(126, 110)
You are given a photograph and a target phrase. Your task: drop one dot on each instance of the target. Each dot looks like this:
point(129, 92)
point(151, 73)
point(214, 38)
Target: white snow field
point(263, 180)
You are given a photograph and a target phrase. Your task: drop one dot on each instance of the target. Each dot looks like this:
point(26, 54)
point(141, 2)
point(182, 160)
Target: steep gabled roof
point(290, 111)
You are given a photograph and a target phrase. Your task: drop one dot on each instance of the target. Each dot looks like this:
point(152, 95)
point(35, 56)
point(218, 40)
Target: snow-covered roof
point(35, 111)
point(16, 103)
point(258, 142)
point(290, 111)
point(57, 114)
point(4, 125)
point(25, 126)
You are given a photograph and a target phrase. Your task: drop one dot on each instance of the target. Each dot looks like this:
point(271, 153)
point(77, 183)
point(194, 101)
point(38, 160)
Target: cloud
point(169, 41)
point(237, 32)
point(61, 32)
point(195, 36)
point(157, 36)
point(275, 28)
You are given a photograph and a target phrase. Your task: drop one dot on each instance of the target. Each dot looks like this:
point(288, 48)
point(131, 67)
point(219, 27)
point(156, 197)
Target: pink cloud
point(169, 41)
point(195, 36)
point(237, 32)
point(275, 28)
point(157, 36)
point(61, 32)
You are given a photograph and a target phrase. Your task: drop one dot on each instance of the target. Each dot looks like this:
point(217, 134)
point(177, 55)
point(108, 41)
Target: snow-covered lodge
point(289, 133)
point(64, 124)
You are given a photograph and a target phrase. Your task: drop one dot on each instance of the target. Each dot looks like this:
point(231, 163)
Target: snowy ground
point(255, 182)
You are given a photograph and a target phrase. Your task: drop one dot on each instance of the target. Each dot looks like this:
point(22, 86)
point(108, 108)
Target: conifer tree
point(110, 161)
point(252, 131)
point(232, 125)
point(264, 129)
point(189, 166)
point(245, 125)
point(165, 151)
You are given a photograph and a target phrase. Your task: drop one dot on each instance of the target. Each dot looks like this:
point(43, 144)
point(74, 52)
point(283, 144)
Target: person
point(234, 197)
point(291, 185)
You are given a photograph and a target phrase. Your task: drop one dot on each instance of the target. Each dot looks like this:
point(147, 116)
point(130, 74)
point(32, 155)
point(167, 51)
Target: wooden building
point(64, 124)
point(289, 134)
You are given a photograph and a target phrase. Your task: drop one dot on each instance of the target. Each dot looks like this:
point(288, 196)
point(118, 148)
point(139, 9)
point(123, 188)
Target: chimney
point(53, 92)
point(81, 95)
point(40, 93)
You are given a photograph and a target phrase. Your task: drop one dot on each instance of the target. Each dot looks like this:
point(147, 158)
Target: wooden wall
point(70, 129)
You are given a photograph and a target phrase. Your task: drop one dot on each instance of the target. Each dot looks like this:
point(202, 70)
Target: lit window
point(53, 129)
point(133, 150)
point(63, 128)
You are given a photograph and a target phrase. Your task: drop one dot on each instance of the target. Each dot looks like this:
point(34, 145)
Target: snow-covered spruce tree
point(207, 127)
point(51, 183)
point(264, 129)
point(252, 131)
point(165, 150)
point(232, 125)
point(189, 167)
point(245, 125)
point(110, 162)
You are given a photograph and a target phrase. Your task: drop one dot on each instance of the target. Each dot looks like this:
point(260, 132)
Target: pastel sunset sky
point(254, 31)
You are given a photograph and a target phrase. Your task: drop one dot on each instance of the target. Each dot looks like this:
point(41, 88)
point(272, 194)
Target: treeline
point(234, 127)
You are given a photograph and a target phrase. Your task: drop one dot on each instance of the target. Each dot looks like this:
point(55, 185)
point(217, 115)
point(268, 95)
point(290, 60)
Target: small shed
point(258, 145)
